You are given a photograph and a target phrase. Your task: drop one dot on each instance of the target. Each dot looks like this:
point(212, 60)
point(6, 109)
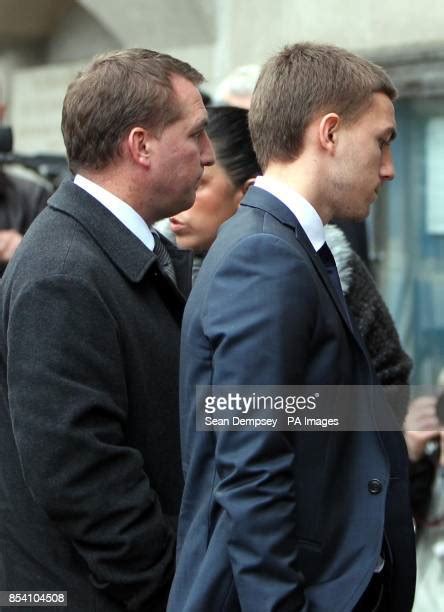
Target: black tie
point(165, 263)
point(330, 265)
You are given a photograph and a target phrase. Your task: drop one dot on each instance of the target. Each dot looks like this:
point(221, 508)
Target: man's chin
point(354, 215)
point(361, 213)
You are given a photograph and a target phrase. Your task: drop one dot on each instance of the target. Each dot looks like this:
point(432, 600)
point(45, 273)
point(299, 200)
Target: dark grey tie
point(165, 262)
point(330, 265)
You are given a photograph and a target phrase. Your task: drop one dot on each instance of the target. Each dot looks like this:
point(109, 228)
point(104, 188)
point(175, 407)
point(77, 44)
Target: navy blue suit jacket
point(277, 521)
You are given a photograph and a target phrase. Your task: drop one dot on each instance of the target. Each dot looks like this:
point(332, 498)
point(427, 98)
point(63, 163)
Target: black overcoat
point(90, 477)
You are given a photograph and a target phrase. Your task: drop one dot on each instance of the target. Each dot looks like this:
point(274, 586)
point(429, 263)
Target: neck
point(118, 182)
point(306, 179)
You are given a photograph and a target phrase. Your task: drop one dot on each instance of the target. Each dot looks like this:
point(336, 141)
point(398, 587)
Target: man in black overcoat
point(91, 306)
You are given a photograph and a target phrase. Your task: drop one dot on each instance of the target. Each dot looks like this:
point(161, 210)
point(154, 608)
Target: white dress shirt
point(304, 212)
point(120, 209)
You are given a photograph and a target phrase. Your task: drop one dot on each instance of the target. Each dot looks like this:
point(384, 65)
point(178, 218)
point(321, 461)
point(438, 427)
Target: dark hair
point(301, 81)
point(229, 133)
point(116, 92)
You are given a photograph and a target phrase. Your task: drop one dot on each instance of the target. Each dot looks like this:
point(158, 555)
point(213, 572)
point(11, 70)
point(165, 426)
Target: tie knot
point(326, 256)
point(165, 262)
point(158, 245)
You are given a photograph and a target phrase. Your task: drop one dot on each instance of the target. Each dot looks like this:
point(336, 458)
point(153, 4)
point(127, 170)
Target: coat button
point(374, 486)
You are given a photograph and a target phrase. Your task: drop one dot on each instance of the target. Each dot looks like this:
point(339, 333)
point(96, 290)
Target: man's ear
point(139, 142)
point(328, 131)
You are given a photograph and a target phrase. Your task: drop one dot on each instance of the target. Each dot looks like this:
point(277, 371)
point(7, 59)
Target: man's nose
point(387, 171)
point(207, 153)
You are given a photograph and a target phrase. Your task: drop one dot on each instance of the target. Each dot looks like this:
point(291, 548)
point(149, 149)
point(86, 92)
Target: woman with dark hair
point(223, 185)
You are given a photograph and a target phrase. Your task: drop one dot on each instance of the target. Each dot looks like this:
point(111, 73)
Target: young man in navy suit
point(276, 521)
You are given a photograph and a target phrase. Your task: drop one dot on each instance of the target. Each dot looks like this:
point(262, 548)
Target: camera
point(53, 168)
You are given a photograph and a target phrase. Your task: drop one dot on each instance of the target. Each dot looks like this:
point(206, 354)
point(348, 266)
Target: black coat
point(90, 478)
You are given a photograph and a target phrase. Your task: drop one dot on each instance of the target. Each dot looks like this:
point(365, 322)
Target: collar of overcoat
point(122, 247)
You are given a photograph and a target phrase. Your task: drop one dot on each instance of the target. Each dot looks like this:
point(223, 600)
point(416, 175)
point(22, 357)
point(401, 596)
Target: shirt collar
point(120, 209)
point(303, 211)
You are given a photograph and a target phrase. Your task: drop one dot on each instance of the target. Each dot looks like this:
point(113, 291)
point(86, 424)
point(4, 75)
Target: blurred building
point(43, 42)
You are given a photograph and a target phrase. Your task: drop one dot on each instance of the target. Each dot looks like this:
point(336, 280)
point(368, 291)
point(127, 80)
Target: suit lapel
point(122, 247)
point(259, 198)
point(320, 268)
